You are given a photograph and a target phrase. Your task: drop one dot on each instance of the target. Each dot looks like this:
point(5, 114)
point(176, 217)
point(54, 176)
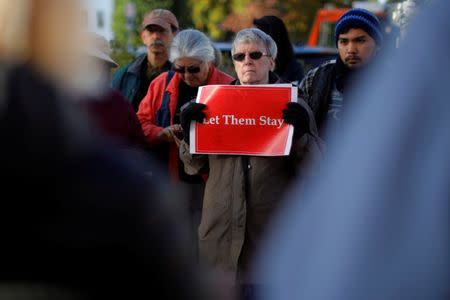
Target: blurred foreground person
point(380, 228)
point(358, 37)
point(109, 109)
point(402, 15)
point(286, 65)
point(242, 192)
point(77, 219)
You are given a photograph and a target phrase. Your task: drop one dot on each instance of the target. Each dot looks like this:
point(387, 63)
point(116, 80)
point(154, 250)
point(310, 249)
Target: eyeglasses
point(190, 69)
point(253, 55)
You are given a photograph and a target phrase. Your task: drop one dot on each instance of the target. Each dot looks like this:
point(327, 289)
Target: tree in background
point(181, 10)
point(142, 6)
point(208, 15)
point(298, 16)
point(219, 18)
point(125, 36)
point(243, 17)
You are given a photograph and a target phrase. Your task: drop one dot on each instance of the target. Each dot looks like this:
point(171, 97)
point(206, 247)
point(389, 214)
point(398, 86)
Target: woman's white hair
point(255, 35)
point(191, 43)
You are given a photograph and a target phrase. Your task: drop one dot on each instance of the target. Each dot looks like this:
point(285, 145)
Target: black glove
point(191, 111)
point(296, 115)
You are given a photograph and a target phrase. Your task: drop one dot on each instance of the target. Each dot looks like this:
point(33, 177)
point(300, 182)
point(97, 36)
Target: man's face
point(249, 70)
point(356, 48)
point(157, 39)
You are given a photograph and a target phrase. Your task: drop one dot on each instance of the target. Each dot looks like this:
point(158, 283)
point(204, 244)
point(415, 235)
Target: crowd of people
point(104, 198)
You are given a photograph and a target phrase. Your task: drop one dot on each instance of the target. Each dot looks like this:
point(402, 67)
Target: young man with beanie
point(358, 36)
point(158, 30)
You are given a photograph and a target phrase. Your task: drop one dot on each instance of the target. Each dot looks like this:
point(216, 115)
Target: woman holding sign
point(243, 191)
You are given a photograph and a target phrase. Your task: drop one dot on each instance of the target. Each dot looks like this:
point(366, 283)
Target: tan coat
point(241, 194)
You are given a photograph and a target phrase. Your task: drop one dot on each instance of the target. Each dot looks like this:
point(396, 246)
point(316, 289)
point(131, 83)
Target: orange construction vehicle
point(322, 31)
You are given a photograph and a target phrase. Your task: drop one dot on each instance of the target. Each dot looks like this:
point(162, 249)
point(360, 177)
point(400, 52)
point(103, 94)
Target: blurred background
point(310, 22)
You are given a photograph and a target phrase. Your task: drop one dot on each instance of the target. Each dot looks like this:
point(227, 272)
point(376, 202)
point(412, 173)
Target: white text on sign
point(235, 121)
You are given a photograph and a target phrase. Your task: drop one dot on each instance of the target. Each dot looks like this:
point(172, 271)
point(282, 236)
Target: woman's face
point(193, 72)
point(252, 70)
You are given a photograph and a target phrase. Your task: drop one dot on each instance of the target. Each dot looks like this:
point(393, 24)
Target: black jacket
point(316, 89)
point(77, 214)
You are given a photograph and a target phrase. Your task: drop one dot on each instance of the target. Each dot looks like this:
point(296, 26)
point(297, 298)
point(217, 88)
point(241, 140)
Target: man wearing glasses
point(158, 30)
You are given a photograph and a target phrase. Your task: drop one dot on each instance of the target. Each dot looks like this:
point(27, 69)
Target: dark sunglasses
point(253, 55)
point(190, 69)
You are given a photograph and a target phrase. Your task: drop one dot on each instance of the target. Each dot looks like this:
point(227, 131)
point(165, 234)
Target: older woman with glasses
point(193, 60)
point(242, 192)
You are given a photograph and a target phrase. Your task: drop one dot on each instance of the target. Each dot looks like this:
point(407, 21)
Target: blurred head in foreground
point(101, 50)
point(374, 224)
point(77, 217)
point(50, 36)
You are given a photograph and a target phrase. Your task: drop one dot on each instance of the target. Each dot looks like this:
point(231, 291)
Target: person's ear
point(142, 35)
point(272, 64)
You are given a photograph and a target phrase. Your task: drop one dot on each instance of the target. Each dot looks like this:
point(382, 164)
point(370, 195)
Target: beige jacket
point(241, 194)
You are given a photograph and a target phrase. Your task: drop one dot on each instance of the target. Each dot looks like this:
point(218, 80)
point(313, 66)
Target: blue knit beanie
point(362, 19)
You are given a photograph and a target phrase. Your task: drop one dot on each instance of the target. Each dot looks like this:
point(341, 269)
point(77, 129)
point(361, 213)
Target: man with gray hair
point(158, 30)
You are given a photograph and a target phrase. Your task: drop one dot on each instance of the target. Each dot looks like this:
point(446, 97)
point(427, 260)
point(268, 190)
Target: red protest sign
point(243, 120)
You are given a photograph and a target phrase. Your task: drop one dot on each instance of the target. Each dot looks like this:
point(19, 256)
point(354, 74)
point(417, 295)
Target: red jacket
point(153, 101)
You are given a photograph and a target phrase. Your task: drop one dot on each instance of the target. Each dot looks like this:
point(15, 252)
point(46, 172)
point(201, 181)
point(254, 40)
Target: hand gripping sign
point(243, 120)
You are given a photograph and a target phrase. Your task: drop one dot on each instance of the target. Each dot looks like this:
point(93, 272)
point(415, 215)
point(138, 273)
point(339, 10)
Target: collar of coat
point(136, 66)
point(273, 78)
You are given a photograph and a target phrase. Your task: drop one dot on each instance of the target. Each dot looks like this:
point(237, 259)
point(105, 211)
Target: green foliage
point(299, 15)
point(181, 10)
point(122, 36)
point(208, 15)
